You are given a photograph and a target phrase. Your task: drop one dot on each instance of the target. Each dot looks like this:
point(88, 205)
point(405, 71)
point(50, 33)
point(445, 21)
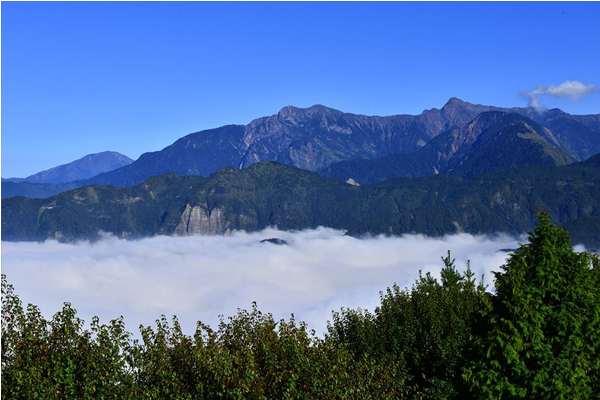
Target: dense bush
point(424, 331)
point(537, 337)
point(250, 356)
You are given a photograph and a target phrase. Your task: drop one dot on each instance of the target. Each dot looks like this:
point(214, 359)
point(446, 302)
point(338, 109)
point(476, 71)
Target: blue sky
point(80, 78)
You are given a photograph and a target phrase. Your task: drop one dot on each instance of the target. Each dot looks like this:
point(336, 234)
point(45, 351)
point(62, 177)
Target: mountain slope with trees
point(269, 194)
point(308, 138)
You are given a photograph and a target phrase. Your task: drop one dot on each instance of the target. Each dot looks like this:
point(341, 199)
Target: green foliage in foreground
point(537, 337)
point(542, 339)
point(425, 330)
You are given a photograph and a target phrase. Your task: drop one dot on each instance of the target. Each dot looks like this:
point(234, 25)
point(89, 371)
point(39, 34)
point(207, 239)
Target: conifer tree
point(543, 335)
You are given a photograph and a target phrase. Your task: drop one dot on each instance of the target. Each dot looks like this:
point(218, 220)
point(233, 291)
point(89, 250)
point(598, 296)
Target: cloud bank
point(200, 277)
point(572, 89)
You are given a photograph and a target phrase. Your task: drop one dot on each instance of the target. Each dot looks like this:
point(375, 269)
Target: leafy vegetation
point(537, 336)
point(543, 338)
point(424, 331)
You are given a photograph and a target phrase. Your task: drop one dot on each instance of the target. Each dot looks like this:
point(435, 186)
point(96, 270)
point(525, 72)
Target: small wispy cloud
point(572, 89)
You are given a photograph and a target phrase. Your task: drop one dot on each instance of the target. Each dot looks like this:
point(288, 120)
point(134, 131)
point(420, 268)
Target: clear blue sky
point(79, 78)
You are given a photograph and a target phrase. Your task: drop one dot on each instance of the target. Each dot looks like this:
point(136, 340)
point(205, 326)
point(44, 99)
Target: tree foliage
point(543, 336)
point(537, 336)
point(424, 331)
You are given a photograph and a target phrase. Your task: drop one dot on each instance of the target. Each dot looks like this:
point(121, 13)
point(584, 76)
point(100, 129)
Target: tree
point(424, 331)
point(542, 339)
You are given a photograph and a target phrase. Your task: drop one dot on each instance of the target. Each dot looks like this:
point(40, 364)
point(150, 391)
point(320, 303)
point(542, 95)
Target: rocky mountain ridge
point(493, 141)
point(318, 137)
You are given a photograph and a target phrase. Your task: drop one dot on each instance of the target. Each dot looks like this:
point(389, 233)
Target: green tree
point(536, 338)
point(542, 339)
point(424, 332)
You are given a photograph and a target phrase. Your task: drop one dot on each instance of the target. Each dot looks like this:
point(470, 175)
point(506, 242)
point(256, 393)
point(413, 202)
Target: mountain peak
point(314, 110)
point(319, 107)
point(82, 168)
point(455, 102)
point(287, 110)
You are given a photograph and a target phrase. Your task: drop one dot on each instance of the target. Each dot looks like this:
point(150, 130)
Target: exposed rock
point(352, 182)
point(309, 138)
point(198, 220)
point(459, 228)
point(506, 250)
point(317, 138)
point(277, 241)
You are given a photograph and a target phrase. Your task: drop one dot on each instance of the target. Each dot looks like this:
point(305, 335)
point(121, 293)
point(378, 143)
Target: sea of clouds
point(201, 277)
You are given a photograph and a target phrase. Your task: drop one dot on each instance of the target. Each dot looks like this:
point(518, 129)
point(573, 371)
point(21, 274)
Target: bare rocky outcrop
point(198, 220)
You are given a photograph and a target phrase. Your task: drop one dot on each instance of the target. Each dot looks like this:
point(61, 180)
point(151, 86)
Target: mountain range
point(369, 148)
point(462, 168)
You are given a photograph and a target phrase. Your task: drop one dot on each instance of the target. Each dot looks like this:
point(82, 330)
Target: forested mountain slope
point(269, 194)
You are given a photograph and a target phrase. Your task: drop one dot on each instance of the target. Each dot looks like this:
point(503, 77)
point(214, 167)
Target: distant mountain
point(585, 231)
point(579, 134)
point(83, 168)
point(308, 138)
point(314, 138)
point(268, 194)
point(323, 139)
point(493, 141)
point(512, 142)
point(593, 161)
point(34, 190)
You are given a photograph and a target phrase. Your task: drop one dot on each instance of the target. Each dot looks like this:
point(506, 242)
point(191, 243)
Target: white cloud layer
point(198, 278)
point(572, 89)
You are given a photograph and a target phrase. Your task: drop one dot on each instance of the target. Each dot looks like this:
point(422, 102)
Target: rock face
point(198, 220)
point(316, 137)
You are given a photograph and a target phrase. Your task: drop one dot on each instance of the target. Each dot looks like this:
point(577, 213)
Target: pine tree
point(543, 335)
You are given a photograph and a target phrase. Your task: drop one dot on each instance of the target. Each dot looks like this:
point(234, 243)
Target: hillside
point(34, 190)
point(269, 194)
